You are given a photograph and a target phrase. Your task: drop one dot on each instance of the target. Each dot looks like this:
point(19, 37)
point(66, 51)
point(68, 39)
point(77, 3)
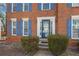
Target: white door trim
point(39, 19)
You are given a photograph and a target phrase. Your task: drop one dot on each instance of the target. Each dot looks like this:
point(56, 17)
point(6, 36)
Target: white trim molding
point(39, 19)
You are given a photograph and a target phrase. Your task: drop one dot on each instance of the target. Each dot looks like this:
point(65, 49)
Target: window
point(13, 20)
point(25, 26)
point(26, 7)
point(20, 7)
point(75, 4)
point(14, 6)
point(45, 6)
point(75, 27)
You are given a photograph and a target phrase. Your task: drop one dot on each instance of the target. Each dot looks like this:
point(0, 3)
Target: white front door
point(45, 26)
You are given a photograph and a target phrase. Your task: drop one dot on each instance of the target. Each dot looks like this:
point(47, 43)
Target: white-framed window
point(75, 4)
point(45, 6)
point(13, 22)
point(25, 26)
point(25, 6)
point(13, 7)
point(75, 27)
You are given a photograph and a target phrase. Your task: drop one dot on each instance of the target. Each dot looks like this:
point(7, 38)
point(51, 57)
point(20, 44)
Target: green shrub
point(57, 44)
point(30, 44)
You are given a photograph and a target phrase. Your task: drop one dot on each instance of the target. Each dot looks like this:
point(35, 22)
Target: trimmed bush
point(30, 44)
point(57, 44)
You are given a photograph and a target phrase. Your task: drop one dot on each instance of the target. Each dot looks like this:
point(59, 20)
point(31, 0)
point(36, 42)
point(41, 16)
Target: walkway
point(43, 52)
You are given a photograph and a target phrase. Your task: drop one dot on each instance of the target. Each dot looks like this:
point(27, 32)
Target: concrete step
point(43, 43)
point(43, 47)
point(45, 40)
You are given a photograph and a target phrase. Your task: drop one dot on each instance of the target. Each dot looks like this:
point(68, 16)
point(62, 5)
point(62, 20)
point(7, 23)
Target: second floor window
point(45, 6)
point(14, 7)
point(75, 4)
point(21, 7)
point(26, 6)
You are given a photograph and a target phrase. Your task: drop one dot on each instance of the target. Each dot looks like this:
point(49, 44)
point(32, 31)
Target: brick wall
point(61, 11)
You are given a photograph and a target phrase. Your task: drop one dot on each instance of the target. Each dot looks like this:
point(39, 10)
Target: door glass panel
point(45, 28)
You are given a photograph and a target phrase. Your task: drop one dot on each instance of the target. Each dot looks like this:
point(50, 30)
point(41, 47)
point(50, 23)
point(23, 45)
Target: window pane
point(26, 7)
point(14, 6)
point(76, 22)
point(75, 35)
point(75, 28)
point(14, 24)
point(25, 26)
point(46, 6)
point(14, 30)
point(19, 7)
point(75, 4)
point(14, 27)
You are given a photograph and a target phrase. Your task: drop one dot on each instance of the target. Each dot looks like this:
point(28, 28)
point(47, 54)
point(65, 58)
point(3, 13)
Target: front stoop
point(43, 43)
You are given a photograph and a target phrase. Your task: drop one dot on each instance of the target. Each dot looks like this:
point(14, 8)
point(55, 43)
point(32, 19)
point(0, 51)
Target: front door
point(45, 28)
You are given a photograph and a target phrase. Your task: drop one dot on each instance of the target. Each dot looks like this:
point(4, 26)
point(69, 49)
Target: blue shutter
point(69, 4)
point(19, 6)
point(52, 5)
point(21, 27)
point(39, 6)
point(29, 27)
point(9, 27)
point(30, 6)
point(69, 28)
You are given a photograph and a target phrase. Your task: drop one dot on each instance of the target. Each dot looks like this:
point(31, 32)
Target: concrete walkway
point(43, 52)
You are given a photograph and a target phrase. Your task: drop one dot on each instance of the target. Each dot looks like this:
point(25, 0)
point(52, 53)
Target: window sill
point(75, 6)
point(75, 38)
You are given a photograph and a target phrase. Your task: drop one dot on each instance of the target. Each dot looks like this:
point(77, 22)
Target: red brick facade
point(61, 12)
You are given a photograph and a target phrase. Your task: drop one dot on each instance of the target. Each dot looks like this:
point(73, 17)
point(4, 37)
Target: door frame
point(39, 19)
